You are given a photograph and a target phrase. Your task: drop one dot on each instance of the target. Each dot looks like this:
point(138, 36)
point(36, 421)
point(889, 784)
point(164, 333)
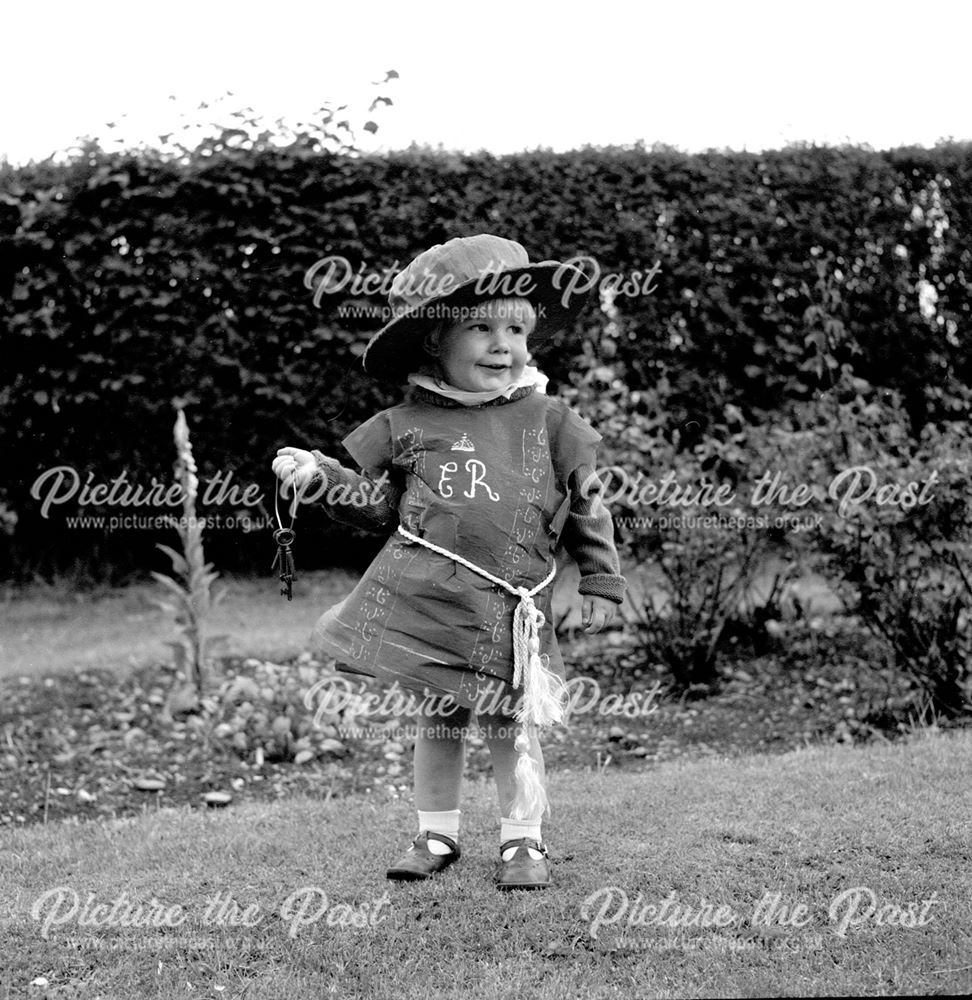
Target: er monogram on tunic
point(488, 483)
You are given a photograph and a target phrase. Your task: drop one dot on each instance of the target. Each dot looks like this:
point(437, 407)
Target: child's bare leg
point(439, 757)
point(439, 752)
point(500, 733)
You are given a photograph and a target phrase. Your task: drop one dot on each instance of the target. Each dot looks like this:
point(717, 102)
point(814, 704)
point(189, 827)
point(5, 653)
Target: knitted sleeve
point(588, 536)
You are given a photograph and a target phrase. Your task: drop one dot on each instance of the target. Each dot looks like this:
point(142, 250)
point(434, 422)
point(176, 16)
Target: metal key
point(284, 537)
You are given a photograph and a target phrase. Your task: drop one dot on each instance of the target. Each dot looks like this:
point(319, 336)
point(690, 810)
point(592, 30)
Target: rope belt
point(528, 619)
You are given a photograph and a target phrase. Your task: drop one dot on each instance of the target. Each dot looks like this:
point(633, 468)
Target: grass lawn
point(56, 629)
point(818, 828)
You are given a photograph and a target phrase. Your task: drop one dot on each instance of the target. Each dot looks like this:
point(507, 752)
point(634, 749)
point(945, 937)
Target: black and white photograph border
point(486, 500)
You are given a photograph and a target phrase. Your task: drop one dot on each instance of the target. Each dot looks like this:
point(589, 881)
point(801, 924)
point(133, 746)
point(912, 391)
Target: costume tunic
point(489, 483)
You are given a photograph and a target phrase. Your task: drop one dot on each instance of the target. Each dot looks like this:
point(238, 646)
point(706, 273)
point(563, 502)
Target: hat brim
point(551, 287)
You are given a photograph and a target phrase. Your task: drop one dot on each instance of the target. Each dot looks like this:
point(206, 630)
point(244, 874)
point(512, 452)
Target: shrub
point(127, 276)
point(896, 536)
point(699, 549)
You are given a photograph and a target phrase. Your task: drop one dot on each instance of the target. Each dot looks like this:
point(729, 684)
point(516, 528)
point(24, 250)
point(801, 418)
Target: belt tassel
point(544, 693)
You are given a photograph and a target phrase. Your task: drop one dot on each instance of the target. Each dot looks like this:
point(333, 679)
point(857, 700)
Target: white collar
point(424, 378)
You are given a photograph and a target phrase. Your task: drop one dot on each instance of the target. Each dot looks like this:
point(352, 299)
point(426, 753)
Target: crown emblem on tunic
point(464, 444)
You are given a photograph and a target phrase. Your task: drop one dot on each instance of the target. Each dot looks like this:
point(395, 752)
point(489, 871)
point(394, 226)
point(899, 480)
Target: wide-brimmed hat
point(457, 274)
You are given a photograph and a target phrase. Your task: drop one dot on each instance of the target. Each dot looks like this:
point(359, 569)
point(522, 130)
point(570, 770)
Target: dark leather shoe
point(418, 862)
point(523, 871)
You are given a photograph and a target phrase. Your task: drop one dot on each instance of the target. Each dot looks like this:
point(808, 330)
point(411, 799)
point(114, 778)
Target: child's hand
point(597, 612)
point(291, 460)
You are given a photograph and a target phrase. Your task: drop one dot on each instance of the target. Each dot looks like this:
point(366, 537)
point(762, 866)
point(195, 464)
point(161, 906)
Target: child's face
point(487, 348)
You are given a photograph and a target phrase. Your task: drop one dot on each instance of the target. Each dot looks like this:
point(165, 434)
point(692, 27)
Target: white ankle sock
point(446, 823)
point(514, 829)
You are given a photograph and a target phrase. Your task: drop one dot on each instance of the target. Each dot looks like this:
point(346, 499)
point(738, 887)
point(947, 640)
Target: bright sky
point(499, 75)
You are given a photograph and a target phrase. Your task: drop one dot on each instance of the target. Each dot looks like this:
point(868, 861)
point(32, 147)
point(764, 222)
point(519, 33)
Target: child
point(480, 478)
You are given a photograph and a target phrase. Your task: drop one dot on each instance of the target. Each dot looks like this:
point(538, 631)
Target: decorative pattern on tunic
point(488, 483)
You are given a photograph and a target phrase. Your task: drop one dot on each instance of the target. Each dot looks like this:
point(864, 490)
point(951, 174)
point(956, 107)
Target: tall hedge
point(131, 280)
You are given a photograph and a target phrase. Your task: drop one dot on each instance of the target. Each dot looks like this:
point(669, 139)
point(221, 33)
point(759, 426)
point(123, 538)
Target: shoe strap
point(524, 842)
point(427, 835)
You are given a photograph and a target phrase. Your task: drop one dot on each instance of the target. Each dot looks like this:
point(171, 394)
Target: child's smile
point(487, 348)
